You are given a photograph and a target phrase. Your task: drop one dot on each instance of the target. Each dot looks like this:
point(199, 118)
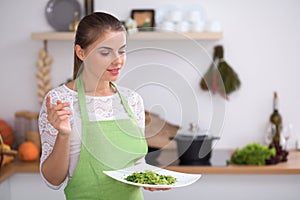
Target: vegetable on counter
point(150, 177)
point(28, 151)
point(252, 154)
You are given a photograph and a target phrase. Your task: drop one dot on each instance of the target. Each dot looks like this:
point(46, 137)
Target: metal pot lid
point(193, 130)
point(194, 138)
point(194, 133)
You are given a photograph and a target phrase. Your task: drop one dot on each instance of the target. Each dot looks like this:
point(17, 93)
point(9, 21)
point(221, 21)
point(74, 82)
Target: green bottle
point(276, 121)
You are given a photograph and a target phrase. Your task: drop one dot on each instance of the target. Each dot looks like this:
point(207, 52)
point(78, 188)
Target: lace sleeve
point(48, 134)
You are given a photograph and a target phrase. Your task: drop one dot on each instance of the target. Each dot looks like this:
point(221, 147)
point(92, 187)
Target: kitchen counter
point(219, 166)
point(168, 160)
point(18, 167)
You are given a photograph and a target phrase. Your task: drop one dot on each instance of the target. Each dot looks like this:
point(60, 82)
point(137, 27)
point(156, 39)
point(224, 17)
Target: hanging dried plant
point(43, 74)
point(220, 77)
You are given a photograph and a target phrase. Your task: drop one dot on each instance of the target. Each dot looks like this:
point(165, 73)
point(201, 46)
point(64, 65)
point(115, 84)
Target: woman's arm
point(55, 167)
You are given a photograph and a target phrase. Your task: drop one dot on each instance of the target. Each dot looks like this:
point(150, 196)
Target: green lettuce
point(252, 154)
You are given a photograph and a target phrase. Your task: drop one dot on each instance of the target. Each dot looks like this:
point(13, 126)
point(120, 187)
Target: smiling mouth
point(114, 71)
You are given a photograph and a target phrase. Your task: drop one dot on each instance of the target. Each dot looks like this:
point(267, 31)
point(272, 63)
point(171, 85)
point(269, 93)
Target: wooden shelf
point(137, 36)
point(53, 36)
point(176, 36)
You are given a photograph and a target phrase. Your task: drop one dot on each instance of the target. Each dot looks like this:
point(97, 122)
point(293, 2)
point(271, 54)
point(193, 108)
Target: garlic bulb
point(43, 74)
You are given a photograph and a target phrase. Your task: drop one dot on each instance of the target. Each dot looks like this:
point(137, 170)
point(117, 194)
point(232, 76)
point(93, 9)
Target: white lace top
point(99, 108)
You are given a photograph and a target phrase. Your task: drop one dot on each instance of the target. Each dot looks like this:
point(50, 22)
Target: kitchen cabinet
point(20, 180)
point(28, 186)
point(209, 187)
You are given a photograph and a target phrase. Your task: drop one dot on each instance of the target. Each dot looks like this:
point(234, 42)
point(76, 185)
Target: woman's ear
point(79, 52)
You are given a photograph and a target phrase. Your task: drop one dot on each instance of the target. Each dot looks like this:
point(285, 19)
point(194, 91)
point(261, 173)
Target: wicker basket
point(6, 156)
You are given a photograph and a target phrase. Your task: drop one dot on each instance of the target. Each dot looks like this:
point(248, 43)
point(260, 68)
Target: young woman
point(89, 124)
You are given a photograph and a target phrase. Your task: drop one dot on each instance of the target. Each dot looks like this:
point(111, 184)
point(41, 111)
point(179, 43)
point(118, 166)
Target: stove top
point(169, 157)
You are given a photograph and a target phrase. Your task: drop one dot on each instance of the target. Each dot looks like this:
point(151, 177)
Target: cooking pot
point(152, 155)
point(193, 146)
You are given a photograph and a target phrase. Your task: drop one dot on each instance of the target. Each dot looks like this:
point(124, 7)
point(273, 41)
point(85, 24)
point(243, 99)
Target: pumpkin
point(6, 133)
point(28, 151)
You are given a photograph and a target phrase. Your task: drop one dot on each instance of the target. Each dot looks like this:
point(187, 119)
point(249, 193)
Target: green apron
point(106, 145)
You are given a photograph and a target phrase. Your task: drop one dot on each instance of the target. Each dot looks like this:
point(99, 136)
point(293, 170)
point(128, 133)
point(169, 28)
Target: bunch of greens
point(150, 177)
point(252, 154)
point(220, 77)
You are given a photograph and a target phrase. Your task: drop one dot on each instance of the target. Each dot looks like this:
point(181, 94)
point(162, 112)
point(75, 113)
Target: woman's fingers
point(63, 117)
point(48, 103)
point(57, 112)
point(150, 189)
point(165, 188)
point(60, 105)
point(63, 112)
point(58, 116)
point(155, 189)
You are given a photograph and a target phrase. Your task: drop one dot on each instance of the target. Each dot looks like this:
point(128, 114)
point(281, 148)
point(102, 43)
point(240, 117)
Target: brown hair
point(90, 28)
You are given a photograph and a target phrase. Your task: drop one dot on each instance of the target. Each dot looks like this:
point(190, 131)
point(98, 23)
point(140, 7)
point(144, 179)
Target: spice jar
point(26, 127)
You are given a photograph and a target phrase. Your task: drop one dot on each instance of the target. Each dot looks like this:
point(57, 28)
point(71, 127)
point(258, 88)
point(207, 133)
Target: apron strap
point(125, 104)
point(81, 98)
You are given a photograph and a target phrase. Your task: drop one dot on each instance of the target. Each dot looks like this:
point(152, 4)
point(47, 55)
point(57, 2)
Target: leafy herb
point(150, 177)
point(252, 154)
point(220, 77)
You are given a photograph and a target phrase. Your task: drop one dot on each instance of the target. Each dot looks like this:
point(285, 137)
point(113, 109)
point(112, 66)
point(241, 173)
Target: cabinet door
point(30, 186)
point(5, 190)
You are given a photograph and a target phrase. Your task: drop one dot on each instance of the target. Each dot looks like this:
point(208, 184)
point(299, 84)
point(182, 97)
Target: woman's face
point(105, 57)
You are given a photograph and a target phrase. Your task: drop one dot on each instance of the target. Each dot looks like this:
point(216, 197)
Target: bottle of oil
point(276, 121)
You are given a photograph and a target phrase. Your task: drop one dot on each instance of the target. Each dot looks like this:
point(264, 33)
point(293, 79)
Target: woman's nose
point(118, 59)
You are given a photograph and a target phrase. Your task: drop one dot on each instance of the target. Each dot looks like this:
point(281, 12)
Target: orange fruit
point(28, 151)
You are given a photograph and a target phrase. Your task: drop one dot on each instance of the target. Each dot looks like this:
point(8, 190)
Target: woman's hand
point(58, 116)
point(155, 189)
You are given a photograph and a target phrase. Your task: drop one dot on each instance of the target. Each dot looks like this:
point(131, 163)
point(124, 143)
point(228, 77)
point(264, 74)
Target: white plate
point(183, 179)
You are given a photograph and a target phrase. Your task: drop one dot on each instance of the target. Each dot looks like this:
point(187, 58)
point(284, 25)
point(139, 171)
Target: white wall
point(260, 41)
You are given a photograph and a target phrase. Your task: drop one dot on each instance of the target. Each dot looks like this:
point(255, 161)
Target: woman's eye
point(104, 53)
point(122, 52)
